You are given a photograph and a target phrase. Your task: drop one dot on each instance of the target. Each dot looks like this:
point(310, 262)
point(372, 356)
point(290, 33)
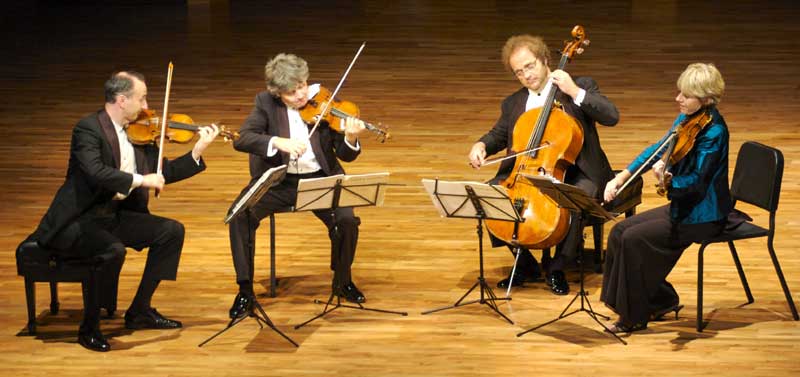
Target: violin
point(180, 129)
point(336, 113)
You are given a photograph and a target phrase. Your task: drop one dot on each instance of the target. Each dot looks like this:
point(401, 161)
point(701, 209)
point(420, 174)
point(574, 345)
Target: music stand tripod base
point(258, 313)
point(340, 191)
point(338, 305)
point(484, 300)
point(576, 200)
point(242, 205)
point(474, 200)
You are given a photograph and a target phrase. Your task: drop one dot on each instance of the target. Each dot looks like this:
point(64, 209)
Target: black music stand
point(243, 204)
point(474, 200)
point(339, 191)
point(574, 199)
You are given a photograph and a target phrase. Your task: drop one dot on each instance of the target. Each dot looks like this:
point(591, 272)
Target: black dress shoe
point(242, 305)
point(93, 340)
point(528, 271)
point(150, 319)
point(519, 279)
point(351, 293)
point(558, 282)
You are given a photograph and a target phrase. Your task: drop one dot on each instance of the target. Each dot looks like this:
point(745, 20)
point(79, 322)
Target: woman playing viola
point(643, 249)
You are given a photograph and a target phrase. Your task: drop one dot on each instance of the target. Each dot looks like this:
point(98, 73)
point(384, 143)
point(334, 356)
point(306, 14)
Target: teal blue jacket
point(699, 192)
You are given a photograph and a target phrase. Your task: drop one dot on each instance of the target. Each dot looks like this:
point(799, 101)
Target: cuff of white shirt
point(137, 181)
point(579, 98)
point(356, 148)
point(271, 151)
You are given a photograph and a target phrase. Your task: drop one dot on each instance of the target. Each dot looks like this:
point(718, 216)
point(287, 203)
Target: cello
point(554, 139)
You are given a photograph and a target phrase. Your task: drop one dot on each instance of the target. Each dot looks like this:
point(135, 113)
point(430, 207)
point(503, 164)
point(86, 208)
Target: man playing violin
point(643, 249)
point(528, 58)
point(102, 205)
point(274, 134)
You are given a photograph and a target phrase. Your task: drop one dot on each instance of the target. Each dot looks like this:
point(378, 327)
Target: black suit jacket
point(269, 119)
point(595, 108)
point(93, 175)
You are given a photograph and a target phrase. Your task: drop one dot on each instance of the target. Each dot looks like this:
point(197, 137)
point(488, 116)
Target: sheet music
point(358, 190)
point(568, 196)
point(257, 190)
point(451, 200)
point(316, 193)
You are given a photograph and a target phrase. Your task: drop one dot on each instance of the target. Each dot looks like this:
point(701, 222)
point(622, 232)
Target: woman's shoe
point(620, 327)
point(659, 314)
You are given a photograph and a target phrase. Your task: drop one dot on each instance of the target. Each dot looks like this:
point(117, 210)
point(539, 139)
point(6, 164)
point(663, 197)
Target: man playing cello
point(528, 58)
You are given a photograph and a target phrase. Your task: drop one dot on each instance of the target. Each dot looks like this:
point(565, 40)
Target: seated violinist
point(275, 134)
point(102, 205)
point(643, 249)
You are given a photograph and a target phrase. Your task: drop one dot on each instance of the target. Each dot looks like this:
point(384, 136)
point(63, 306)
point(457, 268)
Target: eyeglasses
point(527, 69)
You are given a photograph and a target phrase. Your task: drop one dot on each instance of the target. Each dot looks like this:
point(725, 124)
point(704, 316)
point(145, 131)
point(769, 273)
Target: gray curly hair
point(284, 72)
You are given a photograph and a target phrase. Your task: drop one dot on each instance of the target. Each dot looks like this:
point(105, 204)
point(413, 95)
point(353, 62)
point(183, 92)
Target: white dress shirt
point(298, 130)
point(127, 161)
point(536, 100)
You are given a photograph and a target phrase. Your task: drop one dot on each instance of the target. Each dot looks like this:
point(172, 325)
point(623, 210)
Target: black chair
point(38, 264)
point(756, 180)
point(273, 280)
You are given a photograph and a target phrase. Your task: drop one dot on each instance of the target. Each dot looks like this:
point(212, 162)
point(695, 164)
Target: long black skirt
point(642, 250)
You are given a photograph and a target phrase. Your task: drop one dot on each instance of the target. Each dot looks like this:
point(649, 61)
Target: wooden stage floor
point(433, 73)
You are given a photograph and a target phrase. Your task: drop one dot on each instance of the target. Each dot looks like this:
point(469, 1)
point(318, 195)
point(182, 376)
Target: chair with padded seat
point(756, 180)
point(39, 264)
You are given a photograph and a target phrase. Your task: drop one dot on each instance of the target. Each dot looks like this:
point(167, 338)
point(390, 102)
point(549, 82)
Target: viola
point(678, 144)
point(336, 113)
point(180, 129)
point(551, 139)
point(682, 142)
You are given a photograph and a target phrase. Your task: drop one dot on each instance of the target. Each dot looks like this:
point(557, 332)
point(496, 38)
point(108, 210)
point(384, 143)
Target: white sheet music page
point(357, 190)
point(451, 200)
point(364, 189)
point(257, 189)
point(316, 193)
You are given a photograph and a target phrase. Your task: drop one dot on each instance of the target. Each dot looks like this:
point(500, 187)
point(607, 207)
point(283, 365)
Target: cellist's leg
point(527, 269)
point(567, 249)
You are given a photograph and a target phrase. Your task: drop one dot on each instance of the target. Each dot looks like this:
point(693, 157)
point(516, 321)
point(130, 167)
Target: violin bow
point(339, 86)
point(164, 124)
point(668, 142)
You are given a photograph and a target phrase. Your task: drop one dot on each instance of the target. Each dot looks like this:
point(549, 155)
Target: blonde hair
point(702, 80)
point(534, 44)
point(284, 72)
